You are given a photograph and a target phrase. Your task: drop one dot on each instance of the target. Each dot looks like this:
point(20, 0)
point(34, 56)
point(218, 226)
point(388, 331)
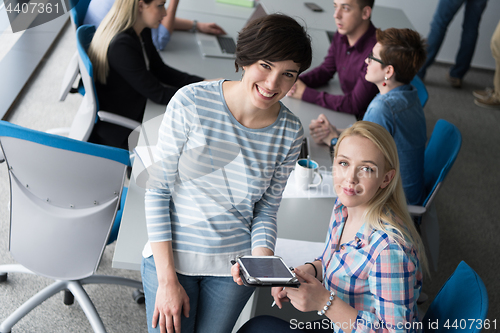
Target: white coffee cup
point(305, 172)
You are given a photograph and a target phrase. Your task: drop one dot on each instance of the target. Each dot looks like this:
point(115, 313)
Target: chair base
point(76, 289)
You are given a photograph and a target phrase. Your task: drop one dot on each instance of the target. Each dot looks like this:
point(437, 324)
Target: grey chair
point(64, 197)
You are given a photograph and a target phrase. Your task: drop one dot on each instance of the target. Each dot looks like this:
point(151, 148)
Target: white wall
point(420, 14)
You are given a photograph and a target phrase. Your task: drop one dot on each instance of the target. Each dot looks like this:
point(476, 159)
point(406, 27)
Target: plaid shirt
point(374, 274)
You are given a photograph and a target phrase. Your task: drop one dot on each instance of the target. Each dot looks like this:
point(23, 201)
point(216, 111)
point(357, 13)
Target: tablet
point(266, 271)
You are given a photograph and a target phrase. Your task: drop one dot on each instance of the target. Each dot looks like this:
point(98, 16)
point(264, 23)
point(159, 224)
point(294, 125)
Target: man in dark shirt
point(351, 45)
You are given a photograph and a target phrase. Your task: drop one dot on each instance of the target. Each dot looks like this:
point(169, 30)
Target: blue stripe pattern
point(216, 186)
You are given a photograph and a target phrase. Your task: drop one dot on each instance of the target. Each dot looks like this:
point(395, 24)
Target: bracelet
point(315, 269)
point(325, 308)
point(194, 28)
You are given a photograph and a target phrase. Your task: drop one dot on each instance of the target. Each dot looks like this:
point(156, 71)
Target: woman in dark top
point(128, 69)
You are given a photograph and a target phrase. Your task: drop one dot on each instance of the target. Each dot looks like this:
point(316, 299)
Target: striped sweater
point(216, 186)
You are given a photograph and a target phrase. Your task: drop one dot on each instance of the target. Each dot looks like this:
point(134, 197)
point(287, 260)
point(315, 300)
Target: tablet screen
point(270, 267)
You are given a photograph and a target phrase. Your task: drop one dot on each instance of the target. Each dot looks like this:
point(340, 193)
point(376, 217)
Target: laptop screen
point(257, 13)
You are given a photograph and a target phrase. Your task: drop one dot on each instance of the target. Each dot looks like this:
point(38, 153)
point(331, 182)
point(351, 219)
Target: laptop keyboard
point(227, 44)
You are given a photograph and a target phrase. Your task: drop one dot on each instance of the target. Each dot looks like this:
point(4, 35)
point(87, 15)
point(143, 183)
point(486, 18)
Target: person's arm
point(264, 226)
point(165, 74)
point(379, 112)
point(161, 36)
point(313, 296)
point(322, 131)
point(207, 28)
point(392, 281)
point(169, 21)
point(171, 298)
point(320, 75)
point(354, 102)
point(315, 77)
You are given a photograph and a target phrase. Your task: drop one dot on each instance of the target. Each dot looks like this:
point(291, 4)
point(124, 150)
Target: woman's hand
point(171, 301)
point(297, 90)
point(235, 269)
point(310, 296)
point(210, 28)
point(235, 272)
point(279, 295)
point(322, 131)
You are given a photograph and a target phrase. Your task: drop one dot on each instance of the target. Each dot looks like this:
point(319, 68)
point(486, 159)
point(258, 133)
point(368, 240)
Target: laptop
point(224, 46)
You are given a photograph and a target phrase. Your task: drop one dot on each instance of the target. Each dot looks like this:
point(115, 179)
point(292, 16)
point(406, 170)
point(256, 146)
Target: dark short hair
point(275, 37)
point(363, 3)
point(404, 49)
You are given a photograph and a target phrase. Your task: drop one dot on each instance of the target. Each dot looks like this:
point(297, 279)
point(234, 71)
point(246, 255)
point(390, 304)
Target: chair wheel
point(68, 298)
point(3, 277)
point(138, 296)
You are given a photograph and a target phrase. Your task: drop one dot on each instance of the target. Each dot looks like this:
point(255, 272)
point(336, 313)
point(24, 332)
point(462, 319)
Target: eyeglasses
point(371, 57)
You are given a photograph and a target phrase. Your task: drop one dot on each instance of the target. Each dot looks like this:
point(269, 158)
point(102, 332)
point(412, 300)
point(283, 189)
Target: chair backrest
point(423, 95)
point(86, 116)
point(64, 197)
point(78, 11)
point(462, 299)
point(440, 154)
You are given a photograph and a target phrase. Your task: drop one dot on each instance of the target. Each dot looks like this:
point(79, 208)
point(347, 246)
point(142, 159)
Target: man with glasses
point(351, 45)
point(391, 66)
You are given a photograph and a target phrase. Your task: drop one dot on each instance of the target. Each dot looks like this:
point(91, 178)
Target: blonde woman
point(369, 276)
point(128, 69)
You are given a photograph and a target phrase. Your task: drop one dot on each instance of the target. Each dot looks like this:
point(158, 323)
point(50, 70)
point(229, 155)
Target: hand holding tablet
point(266, 271)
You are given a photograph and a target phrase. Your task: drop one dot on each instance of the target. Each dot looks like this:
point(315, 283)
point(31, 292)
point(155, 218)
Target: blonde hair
point(120, 17)
point(388, 211)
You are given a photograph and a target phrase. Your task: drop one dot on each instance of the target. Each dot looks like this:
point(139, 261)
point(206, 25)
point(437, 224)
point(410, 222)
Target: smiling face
point(359, 171)
point(268, 82)
point(152, 13)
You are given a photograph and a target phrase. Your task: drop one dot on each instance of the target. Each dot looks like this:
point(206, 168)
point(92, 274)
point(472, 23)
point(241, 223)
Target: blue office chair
point(423, 95)
point(89, 113)
point(77, 15)
point(461, 300)
point(78, 11)
point(64, 197)
point(440, 155)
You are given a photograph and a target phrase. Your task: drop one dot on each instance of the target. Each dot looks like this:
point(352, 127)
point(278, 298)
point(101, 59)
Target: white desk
point(213, 8)
point(382, 17)
point(299, 219)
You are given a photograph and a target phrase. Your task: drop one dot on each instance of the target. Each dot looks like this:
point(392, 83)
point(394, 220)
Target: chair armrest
point(70, 75)
point(416, 210)
point(118, 120)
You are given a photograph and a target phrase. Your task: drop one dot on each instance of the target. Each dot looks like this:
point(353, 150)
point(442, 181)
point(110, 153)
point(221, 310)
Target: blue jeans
point(216, 302)
point(445, 12)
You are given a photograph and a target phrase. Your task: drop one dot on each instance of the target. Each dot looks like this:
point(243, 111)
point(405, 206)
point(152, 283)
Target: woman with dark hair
point(128, 69)
point(224, 154)
point(393, 63)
